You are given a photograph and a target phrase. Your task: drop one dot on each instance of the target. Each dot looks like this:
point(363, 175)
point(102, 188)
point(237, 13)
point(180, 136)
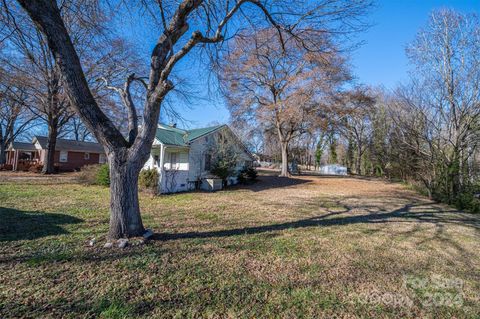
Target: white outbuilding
point(333, 169)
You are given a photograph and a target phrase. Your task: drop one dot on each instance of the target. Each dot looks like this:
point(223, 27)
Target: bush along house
point(70, 155)
point(205, 158)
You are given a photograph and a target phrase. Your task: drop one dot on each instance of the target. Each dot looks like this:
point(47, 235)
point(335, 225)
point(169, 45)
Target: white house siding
point(174, 181)
point(196, 158)
point(199, 148)
point(174, 177)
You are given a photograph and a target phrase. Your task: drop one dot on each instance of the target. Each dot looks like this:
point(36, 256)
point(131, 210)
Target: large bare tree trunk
point(125, 219)
point(49, 165)
point(3, 157)
point(3, 146)
point(284, 167)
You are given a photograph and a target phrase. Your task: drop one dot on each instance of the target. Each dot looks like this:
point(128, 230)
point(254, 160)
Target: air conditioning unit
point(212, 184)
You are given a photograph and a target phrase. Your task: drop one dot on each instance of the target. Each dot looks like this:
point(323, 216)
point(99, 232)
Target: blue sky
point(381, 61)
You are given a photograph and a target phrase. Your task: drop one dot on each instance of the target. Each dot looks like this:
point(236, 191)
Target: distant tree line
point(425, 132)
point(428, 130)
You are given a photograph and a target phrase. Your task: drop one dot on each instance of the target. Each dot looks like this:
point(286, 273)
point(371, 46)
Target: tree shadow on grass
point(404, 214)
point(25, 225)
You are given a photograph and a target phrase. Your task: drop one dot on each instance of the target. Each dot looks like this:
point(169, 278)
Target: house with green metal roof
point(183, 157)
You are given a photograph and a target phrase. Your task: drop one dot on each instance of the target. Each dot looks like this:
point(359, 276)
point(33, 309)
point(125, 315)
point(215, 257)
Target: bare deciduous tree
point(15, 118)
point(101, 56)
point(280, 85)
point(427, 132)
point(445, 96)
point(355, 122)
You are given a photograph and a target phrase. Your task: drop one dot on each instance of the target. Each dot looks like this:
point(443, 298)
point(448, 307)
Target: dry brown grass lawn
point(301, 247)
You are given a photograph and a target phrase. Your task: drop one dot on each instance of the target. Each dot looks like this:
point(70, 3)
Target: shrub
point(469, 199)
point(221, 170)
point(23, 166)
point(247, 174)
point(36, 168)
point(103, 175)
point(6, 167)
point(94, 175)
point(468, 202)
point(223, 164)
point(241, 177)
point(252, 173)
point(148, 179)
point(224, 160)
point(88, 174)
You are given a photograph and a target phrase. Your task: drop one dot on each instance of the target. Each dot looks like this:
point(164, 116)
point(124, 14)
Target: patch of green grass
point(114, 309)
point(48, 258)
point(207, 216)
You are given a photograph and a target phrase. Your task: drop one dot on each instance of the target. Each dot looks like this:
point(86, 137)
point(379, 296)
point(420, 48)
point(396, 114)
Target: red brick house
point(69, 154)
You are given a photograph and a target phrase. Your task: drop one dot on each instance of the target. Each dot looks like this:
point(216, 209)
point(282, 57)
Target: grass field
point(304, 247)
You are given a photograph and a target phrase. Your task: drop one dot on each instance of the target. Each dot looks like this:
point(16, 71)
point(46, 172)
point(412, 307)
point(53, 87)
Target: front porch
point(172, 164)
point(20, 155)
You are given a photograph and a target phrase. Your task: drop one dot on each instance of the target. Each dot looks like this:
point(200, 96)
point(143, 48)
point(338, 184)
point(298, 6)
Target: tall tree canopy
point(27, 53)
point(281, 86)
point(445, 97)
point(15, 117)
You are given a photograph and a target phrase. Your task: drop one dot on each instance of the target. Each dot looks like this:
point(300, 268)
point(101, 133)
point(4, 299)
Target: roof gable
point(22, 146)
point(169, 135)
point(199, 132)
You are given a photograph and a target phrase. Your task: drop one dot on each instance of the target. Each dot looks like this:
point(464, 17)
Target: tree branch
point(127, 101)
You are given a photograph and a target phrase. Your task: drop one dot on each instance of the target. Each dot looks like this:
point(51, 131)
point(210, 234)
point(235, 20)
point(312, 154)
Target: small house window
point(102, 159)
point(63, 156)
point(86, 156)
point(173, 160)
point(156, 160)
point(208, 162)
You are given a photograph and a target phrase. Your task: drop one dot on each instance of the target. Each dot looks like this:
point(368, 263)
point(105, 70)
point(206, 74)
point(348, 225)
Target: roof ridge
point(170, 128)
point(206, 127)
point(67, 139)
point(199, 132)
point(181, 137)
